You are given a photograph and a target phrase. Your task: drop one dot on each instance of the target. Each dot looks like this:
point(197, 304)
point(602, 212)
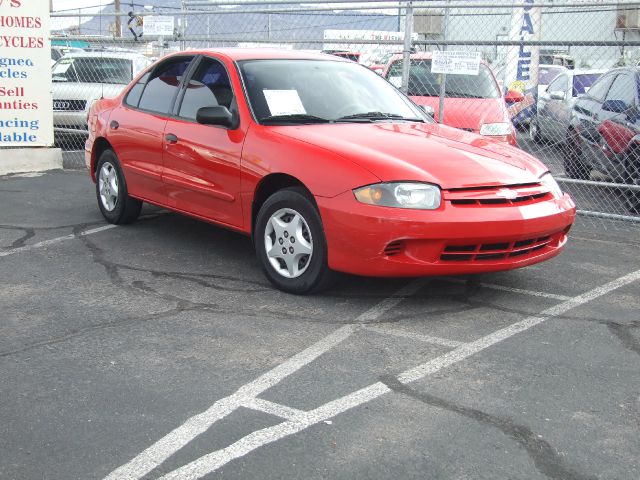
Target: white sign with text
point(26, 112)
point(161, 26)
point(455, 63)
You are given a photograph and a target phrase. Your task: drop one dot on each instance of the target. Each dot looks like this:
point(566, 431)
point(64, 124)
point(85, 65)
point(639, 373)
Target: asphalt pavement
point(158, 350)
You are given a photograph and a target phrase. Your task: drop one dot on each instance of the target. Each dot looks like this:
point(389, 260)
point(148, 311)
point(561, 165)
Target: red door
point(202, 162)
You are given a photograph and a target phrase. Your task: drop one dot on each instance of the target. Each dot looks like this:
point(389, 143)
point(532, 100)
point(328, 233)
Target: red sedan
point(325, 164)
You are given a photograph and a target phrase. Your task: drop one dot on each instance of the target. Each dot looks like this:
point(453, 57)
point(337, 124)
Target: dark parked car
point(605, 131)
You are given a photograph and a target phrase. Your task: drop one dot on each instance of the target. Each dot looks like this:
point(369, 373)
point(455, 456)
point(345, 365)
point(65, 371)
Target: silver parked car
point(83, 77)
point(555, 104)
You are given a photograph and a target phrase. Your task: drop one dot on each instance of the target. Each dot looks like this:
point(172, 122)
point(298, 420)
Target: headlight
point(495, 129)
point(548, 181)
point(419, 196)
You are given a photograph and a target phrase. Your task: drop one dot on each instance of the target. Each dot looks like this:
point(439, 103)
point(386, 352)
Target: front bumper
point(70, 122)
point(379, 241)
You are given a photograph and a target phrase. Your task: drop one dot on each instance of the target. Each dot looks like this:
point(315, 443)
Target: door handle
point(114, 125)
point(171, 138)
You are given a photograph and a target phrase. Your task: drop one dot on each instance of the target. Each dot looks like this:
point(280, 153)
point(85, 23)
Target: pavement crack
point(99, 257)
point(93, 328)
point(28, 232)
point(545, 458)
point(623, 333)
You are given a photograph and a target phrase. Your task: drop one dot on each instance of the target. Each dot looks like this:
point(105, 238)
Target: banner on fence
point(26, 115)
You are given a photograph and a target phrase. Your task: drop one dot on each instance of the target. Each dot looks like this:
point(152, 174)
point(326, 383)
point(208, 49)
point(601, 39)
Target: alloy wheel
point(288, 243)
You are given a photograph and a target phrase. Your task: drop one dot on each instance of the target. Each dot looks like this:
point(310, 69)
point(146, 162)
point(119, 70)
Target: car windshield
point(93, 70)
point(423, 83)
point(582, 83)
point(546, 74)
point(313, 91)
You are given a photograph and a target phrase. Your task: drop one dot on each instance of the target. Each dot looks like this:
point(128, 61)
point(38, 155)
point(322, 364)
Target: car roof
point(263, 54)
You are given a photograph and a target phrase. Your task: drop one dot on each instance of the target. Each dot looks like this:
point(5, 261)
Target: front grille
point(69, 105)
point(494, 251)
point(509, 195)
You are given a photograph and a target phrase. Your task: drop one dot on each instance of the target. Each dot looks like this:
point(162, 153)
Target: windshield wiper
point(375, 116)
point(463, 95)
point(293, 118)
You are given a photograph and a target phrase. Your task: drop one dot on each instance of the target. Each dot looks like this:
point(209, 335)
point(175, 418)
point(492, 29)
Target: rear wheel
point(290, 242)
point(114, 201)
point(574, 167)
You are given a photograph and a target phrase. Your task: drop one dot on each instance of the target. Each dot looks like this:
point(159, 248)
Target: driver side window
point(209, 87)
point(560, 84)
point(623, 88)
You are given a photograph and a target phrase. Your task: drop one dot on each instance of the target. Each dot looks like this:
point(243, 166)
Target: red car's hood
point(467, 113)
point(424, 152)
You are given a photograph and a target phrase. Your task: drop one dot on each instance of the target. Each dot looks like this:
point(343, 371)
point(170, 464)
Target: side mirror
point(615, 106)
point(215, 116)
point(513, 96)
point(557, 95)
point(428, 110)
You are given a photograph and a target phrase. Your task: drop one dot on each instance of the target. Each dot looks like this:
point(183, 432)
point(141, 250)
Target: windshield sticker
point(284, 102)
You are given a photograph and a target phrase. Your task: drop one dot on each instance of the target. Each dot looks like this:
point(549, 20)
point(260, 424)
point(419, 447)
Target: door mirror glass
point(428, 110)
point(215, 116)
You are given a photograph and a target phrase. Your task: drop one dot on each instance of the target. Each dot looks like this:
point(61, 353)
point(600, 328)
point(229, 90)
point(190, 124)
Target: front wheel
point(631, 176)
point(574, 167)
point(290, 243)
point(114, 201)
point(534, 130)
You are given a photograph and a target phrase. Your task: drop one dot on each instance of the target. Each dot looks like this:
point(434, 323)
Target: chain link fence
point(558, 80)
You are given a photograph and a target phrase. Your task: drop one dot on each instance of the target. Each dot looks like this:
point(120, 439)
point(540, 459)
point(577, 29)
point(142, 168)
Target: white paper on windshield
point(455, 62)
point(284, 102)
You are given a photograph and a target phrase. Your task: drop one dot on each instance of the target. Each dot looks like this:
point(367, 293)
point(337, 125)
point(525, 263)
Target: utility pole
point(118, 24)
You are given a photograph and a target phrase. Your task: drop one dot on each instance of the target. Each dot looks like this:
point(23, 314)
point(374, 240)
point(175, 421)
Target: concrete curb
point(23, 160)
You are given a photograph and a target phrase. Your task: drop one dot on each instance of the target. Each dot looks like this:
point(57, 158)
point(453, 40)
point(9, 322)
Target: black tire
point(315, 274)
point(125, 209)
point(534, 131)
point(631, 176)
point(574, 167)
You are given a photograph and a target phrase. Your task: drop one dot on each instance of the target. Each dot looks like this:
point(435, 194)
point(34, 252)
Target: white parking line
point(64, 238)
point(54, 241)
point(215, 460)
point(181, 436)
point(504, 288)
point(275, 409)
point(397, 332)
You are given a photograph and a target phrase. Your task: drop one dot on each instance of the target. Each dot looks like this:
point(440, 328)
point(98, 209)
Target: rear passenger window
point(163, 85)
point(133, 97)
point(209, 87)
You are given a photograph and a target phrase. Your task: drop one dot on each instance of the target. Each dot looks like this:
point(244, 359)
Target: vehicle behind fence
point(560, 81)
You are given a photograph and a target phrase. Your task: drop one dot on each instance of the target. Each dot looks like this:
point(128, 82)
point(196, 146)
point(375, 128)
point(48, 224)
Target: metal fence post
point(406, 59)
point(443, 85)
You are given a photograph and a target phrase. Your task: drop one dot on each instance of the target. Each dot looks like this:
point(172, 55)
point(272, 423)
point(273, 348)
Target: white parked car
point(81, 78)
